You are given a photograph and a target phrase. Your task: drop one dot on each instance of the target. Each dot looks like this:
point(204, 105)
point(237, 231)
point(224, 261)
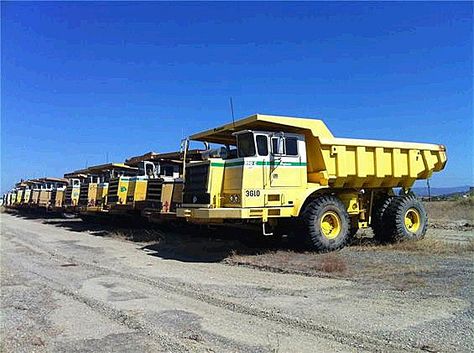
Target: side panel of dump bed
point(352, 163)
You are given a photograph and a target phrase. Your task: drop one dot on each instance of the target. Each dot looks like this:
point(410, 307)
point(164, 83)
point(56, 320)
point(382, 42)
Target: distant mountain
point(423, 191)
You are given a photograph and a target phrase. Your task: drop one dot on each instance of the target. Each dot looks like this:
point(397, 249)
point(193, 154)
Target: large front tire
point(326, 224)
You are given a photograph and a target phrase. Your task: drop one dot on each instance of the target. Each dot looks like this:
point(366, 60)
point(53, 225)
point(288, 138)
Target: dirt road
point(65, 290)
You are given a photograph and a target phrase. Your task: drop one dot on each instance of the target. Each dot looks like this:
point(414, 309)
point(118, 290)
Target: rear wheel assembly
point(403, 218)
point(326, 224)
point(378, 223)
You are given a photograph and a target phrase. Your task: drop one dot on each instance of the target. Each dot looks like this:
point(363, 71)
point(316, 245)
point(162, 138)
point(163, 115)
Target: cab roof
point(83, 173)
point(173, 157)
point(41, 181)
point(109, 166)
point(261, 122)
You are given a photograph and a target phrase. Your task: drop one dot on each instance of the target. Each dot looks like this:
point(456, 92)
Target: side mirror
point(278, 145)
point(281, 145)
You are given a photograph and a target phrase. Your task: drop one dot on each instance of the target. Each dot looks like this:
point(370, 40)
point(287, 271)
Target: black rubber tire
point(311, 218)
point(378, 223)
point(394, 216)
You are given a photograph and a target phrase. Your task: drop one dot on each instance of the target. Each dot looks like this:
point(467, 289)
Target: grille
point(153, 193)
point(195, 190)
point(53, 196)
point(67, 195)
point(153, 190)
point(83, 194)
point(113, 191)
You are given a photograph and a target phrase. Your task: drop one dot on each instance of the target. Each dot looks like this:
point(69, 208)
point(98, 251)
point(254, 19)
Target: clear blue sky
point(83, 80)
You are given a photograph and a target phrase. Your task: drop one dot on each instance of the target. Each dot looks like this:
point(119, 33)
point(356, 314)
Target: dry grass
point(451, 210)
point(427, 245)
point(293, 262)
point(333, 262)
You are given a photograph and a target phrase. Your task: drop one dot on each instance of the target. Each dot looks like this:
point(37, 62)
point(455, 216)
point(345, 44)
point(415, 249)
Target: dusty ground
point(73, 286)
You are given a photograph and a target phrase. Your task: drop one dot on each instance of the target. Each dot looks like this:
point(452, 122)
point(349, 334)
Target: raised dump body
point(274, 168)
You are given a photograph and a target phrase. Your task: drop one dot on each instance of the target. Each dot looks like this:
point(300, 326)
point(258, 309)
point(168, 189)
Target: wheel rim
point(412, 220)
point(330, 225)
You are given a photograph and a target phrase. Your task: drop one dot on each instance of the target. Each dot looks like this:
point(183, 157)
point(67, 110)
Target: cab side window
point(278, 143)
point(262, 145)
point(291, 146)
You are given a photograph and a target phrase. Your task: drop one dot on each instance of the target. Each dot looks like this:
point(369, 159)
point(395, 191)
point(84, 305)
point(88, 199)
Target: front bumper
point(220, 214)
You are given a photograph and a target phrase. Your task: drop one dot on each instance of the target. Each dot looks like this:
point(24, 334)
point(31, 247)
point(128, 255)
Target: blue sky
point(81, 81)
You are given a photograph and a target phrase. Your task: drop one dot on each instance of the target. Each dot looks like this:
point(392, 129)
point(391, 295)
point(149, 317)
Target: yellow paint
point(35, 196)
point(59, 199)
point(136, 190)
point(330, 225)
point(412, 220)
point(26, 198)
point(19, 196)
point(44, 199)
point(102, 189)
point(118, 187)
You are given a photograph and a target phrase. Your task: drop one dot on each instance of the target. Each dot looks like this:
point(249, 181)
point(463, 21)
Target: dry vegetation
point(456, 210)
point(427, 245)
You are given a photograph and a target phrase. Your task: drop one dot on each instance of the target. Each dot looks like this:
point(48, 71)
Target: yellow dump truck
point(35, 193)
point(72, 191)
point(26, 194)
point(47, 192)
point(292, 173)
point(11, 197)
point(20, 192)
point(156, 190)
point(94, 189)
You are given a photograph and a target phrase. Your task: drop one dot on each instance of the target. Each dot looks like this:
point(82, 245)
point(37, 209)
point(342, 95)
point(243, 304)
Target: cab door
point(287, 161)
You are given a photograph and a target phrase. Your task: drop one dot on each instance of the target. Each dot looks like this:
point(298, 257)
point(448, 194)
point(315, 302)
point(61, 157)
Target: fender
point(311, 190)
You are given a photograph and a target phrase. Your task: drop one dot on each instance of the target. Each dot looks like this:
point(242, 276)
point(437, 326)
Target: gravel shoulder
point(71, 286)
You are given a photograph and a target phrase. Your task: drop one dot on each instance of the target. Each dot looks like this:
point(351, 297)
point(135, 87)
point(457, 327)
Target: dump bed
point(341, 162)
point(354, 163)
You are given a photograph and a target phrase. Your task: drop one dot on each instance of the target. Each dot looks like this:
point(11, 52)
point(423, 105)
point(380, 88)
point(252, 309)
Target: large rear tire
point(326, 224)
point(378, 224)
point(405, 219)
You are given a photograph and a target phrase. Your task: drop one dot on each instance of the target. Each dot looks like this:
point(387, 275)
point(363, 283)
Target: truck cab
point(72, 190)
point(48, 190)
point(95, 193)
point(154, 185)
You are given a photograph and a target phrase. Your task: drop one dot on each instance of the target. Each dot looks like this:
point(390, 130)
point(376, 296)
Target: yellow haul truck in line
point(156, 190)
point(20, 192)
point(72, 191)
point(95, 188)
point(48, 190)
point(58, 197)
point(278, 171)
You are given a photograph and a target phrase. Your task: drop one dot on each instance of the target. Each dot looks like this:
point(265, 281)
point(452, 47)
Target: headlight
point(234, 198)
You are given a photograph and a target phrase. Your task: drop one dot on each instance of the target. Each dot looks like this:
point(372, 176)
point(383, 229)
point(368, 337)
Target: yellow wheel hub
point(330, 225)
point(412, 220)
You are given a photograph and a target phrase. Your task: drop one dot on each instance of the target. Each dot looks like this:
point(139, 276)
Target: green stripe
point(260, 163)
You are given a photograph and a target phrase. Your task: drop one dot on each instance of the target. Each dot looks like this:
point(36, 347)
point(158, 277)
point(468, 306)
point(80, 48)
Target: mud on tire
point(326, 224)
